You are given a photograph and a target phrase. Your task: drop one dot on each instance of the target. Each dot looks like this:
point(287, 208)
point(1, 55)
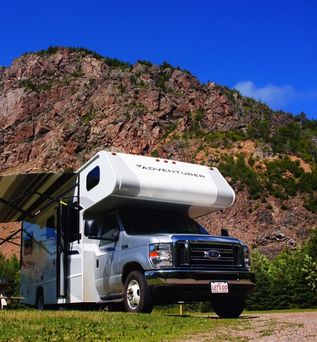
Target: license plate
point(219, 287)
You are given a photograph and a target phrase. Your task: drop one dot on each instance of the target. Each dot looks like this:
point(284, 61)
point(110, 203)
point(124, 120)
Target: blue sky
point(265, 49)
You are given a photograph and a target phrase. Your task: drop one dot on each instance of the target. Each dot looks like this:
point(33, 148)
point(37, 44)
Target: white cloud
point(274, 96)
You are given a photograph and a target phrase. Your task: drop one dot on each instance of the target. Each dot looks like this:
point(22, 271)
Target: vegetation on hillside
point(112, 62)
point(288, 281)
point(298, 137)
point(281, 177)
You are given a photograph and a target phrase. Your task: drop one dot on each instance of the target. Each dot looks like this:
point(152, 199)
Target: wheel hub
point(133, 294)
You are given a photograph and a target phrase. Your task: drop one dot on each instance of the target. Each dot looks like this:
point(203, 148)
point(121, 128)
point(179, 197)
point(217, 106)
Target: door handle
point(97, 263)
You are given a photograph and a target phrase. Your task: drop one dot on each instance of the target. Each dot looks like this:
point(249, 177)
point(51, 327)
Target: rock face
point(58, 108)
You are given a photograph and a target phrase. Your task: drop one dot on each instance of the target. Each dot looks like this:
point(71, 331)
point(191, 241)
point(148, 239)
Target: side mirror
point(116, 235)
point(224, 232)
point(91, 228)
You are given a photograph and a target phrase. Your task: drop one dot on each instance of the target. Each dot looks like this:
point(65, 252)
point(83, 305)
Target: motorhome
point(120, 232)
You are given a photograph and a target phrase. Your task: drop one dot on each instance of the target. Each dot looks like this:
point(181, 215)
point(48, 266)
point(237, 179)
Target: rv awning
point(22, 195)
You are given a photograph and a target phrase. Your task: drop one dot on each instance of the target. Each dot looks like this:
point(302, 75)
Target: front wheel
point(228, 307)
point(137, 296)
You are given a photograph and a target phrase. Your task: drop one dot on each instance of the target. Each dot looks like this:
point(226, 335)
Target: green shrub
point(161, 79)
point(116, 63)
point(261, 299)
point(155, 153)
point(224, 139)
point(311, 203)
point(51, 50)
point(259, 129)
point(112, 62)
point(77, 73)
point(287, 281)
point(195, 129)
point(169, 130)
point(10, 271)
point(88, 117)
point(146, 63)
point(134, 79)
point(287, 138)
point(308, 181)
point(166, 65)
point(36, 87)
point(295, 137)
point(85, 52)
point(282, 177)
point(239, 171)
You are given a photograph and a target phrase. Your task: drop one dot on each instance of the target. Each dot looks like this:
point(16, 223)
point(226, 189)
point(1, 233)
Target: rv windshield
point(148, 221)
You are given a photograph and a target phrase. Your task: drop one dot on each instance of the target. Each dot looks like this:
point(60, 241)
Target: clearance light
point(160, 255)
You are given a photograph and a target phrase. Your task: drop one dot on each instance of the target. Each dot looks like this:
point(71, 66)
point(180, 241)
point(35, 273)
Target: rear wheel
point(228, 307)
point(137, 296)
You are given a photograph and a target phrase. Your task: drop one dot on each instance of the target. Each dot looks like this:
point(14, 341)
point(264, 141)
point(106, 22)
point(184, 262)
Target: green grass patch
point(90, 326)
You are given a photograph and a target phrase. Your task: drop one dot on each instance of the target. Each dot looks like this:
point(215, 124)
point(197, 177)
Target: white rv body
point(63, 262)
point(125, 180)
point(128, 177)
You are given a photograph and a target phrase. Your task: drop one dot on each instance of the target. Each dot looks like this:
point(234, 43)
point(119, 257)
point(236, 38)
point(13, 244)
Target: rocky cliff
point(60, 106)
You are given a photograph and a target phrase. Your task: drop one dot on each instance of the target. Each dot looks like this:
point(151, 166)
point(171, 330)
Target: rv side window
point(93, 178)
point(50, 228)
point(109, 225)
point(28, 242)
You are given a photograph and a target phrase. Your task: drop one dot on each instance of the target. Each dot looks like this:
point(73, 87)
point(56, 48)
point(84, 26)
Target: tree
point(10, 271)
point(288, 281)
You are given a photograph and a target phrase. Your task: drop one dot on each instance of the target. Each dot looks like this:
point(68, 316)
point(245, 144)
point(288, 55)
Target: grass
point(33, 325)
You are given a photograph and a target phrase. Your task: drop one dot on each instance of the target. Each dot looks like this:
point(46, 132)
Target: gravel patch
point(266, 327)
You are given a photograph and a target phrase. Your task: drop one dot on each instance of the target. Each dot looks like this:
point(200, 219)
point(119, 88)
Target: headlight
point(160, 255)
point(246, 254)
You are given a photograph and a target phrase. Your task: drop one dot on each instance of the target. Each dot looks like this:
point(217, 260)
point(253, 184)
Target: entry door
point(69, 255)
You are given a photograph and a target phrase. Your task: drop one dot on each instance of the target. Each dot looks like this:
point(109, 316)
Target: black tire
point(228, 307)
point(137, 296)
point(39, 302)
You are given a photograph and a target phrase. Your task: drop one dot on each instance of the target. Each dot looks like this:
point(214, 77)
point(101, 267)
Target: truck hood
point(198, 237)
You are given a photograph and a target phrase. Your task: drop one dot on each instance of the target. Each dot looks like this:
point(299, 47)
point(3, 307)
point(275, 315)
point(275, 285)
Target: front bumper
point(194, 285)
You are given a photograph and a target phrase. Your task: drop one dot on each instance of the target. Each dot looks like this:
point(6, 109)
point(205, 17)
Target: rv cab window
point(93, 178)
point(151, 221)
point(109, 225)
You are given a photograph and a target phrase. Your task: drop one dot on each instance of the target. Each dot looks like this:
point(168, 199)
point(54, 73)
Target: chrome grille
point(202, 254)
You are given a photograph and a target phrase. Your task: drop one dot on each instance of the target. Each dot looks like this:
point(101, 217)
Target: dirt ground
point(266, 327)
